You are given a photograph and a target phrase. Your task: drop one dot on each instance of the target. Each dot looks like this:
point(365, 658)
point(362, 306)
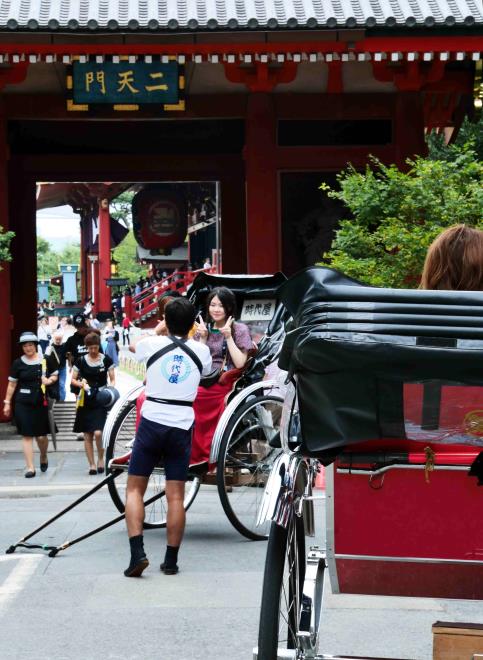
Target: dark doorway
point(309, 218)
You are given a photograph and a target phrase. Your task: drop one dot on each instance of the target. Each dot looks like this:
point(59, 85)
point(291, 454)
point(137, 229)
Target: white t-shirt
point(173, 376)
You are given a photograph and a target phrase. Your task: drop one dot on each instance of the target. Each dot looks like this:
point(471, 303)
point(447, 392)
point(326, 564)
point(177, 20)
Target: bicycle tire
point(158, 520)
point(284, 544)
point(251, 475)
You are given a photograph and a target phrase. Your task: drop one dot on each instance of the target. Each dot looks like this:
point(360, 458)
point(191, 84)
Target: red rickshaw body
point(412, 532)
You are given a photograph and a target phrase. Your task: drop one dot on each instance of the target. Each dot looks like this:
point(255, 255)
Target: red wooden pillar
point(7, 323)
point(409, 126)
point(84, 263)
point(263, 230)
point(103, 302)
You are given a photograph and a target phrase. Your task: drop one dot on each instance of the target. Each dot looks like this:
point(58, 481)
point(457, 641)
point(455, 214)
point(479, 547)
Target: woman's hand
point(85, 385)
point(201, 329)
point(226, 329)
point(7, 409)
point(46, 381)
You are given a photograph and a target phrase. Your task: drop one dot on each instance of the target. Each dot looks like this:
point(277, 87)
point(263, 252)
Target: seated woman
point(229, 344)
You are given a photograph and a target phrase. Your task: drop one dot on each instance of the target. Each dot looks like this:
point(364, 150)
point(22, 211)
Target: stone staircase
point(64, 414)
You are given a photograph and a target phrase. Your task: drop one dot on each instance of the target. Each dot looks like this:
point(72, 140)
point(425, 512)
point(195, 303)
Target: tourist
point(111, 338)
point(126, 325)
point(57, 351)
point(229, 345)
point(43, 333)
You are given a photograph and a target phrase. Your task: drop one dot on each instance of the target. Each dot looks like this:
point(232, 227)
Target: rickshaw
point(386, 391)
point(246, 441)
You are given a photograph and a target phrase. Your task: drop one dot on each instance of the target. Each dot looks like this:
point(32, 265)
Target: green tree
point(121, 207)
point(469, 135)
point(396, 215)
point(47, 259)
point(70, 254)
point(5, 238)
point(125, 254)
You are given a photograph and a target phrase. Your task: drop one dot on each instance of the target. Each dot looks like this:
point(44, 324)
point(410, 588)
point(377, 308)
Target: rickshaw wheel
point(123, 432)
point(245, 460)
point(282, 589)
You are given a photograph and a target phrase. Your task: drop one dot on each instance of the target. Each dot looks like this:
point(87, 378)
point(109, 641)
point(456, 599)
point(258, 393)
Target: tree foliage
point(121, 207)
point(128, 266)
point(470, 134)
point(48, 259)
point(396, 215)
point(5, 238)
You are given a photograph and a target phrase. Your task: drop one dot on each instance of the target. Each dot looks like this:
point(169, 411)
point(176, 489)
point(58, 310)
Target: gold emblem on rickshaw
point(473, 423)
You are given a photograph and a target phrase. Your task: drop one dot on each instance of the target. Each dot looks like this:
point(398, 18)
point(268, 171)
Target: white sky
point(59, 223)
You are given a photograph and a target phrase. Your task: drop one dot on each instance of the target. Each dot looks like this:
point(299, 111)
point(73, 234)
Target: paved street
point(79, 605)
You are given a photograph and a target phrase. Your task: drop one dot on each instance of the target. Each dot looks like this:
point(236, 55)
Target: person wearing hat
point(30, 376)
point(89, 373)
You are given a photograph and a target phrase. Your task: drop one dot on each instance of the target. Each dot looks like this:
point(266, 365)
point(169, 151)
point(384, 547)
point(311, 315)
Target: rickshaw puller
point(173, 370)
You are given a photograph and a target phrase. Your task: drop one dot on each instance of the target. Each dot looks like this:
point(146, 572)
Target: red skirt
point(208, 408)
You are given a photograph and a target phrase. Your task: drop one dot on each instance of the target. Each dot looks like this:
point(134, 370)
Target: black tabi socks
point(137, 548)
point(169, 565)
point(139, 561)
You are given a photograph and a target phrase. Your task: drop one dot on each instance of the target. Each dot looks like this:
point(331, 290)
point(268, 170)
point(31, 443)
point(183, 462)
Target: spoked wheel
point(122, 433)
point(245, 460)
point(292, 581)
point(282, 589)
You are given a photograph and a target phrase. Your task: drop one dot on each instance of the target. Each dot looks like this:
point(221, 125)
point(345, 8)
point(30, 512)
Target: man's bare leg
point(136, 487)
point(175, 525)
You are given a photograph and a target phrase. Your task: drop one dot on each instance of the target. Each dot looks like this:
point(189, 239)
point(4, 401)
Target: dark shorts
point(156, 442)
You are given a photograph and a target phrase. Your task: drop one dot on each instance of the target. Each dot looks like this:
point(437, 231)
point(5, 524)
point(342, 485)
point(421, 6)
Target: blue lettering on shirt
point(175, 368)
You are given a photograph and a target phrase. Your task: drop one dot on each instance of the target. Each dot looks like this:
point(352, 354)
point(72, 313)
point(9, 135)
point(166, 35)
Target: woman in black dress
point(89, 373)
point(29, 378)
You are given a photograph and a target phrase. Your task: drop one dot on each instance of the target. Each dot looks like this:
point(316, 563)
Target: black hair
point(179, 315)
point(227, 299)
point(92, 339)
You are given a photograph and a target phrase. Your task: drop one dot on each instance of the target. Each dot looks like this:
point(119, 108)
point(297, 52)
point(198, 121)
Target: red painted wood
point(23, 268)
point(6, 324)
point(335, 81)
point(449, 43)
point(410, 579)
point(403, 516)
point(259, 77)
point(14, 74)
point(104, 299)
point(263, 240)
point(409, 76)
point(409, 127)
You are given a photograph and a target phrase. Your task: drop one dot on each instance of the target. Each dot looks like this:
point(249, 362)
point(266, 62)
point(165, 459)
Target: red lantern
point(159, 218)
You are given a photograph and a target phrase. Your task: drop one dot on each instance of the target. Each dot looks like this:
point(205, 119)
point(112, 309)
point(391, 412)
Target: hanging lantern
point(160, 219)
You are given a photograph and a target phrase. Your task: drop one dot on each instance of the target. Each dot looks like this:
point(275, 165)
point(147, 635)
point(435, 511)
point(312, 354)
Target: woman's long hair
point(454, 261)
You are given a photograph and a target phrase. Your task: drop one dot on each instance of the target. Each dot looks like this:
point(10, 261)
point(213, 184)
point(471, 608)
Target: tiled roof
point(196, 15)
